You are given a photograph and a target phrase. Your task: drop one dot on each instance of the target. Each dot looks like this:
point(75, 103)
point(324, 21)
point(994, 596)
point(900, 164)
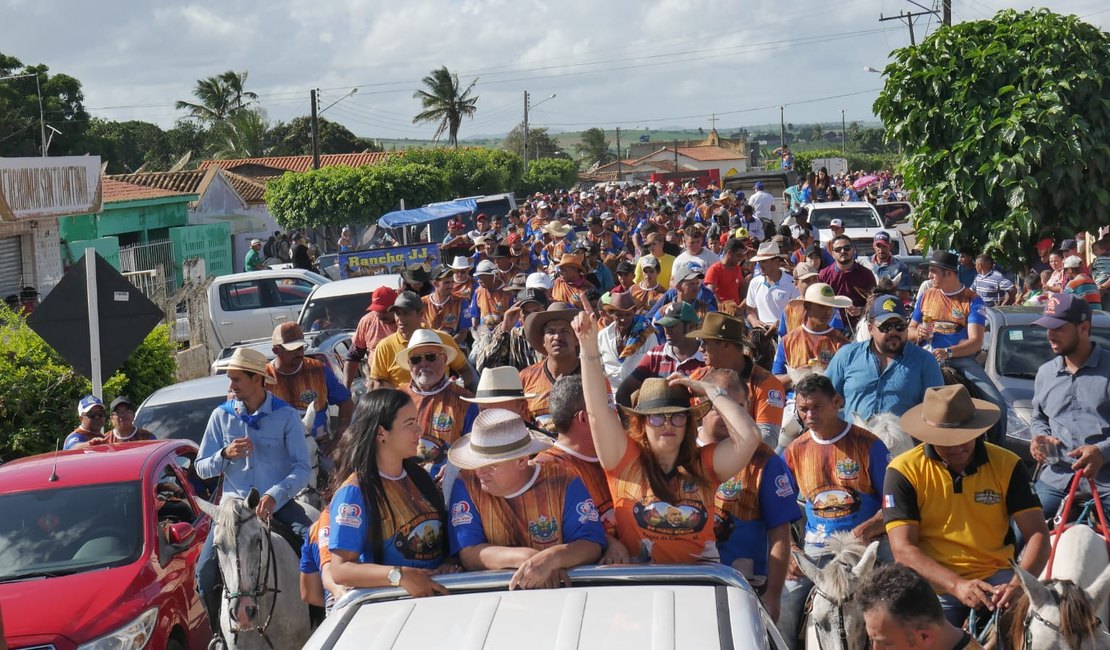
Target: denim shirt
point(278, 465)
point(867, 390)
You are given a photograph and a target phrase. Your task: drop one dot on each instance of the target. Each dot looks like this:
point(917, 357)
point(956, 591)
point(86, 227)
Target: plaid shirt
point(661, 361)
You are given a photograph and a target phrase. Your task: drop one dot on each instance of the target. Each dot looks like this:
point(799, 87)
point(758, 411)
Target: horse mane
point(836, 577)
point(227, 520)
point(888, 428)
point(1078, 619)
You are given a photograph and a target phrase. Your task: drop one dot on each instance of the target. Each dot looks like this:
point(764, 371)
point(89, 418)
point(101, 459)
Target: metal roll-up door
point(11, 265)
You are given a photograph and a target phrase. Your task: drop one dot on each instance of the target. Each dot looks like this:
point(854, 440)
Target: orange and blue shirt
point(840, 481)
point(313, 383)
point(804, 348)
point(444, 417)
point(949, 314)
point(315, 544)
point(452, 316)
point(412, 531)
point(592, 474)
point(761, 497)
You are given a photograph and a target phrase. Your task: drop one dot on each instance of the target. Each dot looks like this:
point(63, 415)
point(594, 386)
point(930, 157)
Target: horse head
point(309, 423)
point(245, 553)
point(835, 616)
point(1058, 613)
point(888, 428)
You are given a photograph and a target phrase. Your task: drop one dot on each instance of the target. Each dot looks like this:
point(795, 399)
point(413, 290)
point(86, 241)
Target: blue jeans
point(208, 566)
point(1052, 498)
point(956, 612)
point(977, 376)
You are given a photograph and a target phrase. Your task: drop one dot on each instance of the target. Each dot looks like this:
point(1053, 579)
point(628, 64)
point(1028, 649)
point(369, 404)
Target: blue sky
point(633, 64)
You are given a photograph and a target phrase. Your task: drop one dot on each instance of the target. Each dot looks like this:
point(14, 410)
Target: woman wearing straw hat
point(388, 520)
point(662, 485)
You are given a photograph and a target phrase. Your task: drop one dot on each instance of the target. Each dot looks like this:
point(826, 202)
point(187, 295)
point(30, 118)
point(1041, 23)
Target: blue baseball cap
point(758, 185)
point(885, 307)
point(1063, 308)
point(883, 237)
point(87, 403)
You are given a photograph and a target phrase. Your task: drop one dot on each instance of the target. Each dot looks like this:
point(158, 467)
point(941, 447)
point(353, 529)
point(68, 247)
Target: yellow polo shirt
point(384, 365)
point(963, 519)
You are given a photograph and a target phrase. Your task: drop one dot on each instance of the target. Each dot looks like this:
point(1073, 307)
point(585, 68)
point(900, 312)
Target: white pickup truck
point(250, 305)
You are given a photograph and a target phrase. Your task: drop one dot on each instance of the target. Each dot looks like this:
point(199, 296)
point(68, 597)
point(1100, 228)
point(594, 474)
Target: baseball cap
point(408, 301)
point(289, 335)
point(1068, 245)
point(1073, 262)
point(1044, 244)
point(885, 307)
point(256, 242)
point(649, 261)
point(688, 271)
point(382, 299)
point(804, 270)
point(758, 186)
point(626, 267)
point(122, 400)
point(87, 403)
point(1063, 308)
point(836, 223)
point(882, 237)
point(675, 313)
point(486, 267)
point(538, 280)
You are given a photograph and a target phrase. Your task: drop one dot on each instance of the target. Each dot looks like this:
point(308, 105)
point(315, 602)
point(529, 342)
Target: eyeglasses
point(96, 414)
point(430, 357)
point(659, 419)
point(893, 326)
point(842, 249)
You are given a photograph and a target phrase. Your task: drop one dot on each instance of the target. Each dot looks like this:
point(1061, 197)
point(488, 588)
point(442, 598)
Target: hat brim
point(838, 302)
point(534, 324)
point(402, 358)
point(610, 307)
point(462, 454)
point(941, 265)
point(269, 379)
point(986, 415)
point(500, 399)
point(697, 411)
point(764, 258)
point(573, 265)
point(293, 345)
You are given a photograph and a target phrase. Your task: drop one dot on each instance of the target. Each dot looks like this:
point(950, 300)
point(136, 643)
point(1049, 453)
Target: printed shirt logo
point(323, 536)
point(442, 422)
point(730, 489)
point(308, 396)
point(847, 469)
point(783, 488)
point(775, 398)
point(460, 514)
point(834, 502)
point(587, 511)
point(544, 530)
point(686, 518)
point(888, 501)
point(421, 538)
point(988, 497)
point(350, 514)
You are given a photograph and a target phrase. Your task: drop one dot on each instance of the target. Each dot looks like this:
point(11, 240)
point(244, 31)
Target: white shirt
point(761, 202)
point(610, 343)
point(755, 228)
point(770, 299)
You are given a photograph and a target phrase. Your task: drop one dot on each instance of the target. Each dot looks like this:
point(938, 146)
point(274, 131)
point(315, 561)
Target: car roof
point(265, 344)
point(89, 466)
point(209, 387)
point(1026, 314)
point(353, 286)
point(269, 273)
point(825, 205)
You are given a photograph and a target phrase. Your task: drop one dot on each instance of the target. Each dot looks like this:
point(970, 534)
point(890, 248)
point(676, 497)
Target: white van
point(341, 304)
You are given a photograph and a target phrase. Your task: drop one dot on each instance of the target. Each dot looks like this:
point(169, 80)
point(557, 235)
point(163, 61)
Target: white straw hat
point(499, 385)
point(497, 435)
point(424, 338)
point(460, 263)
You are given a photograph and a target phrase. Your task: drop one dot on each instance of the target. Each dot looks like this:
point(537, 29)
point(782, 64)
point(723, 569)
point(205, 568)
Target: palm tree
point(443, 103)
point(219, 97)
point(242, 134)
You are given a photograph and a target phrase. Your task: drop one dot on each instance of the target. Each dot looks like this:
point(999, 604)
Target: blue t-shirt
point(868, 389)
point(948, 312)
point(778, 505)
point(76, 438)
point(579, 520)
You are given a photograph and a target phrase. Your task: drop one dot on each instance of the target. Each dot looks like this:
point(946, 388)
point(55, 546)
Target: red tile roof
point(189, 182)
point(249, 189)
point(303, 163)
point(114, 191)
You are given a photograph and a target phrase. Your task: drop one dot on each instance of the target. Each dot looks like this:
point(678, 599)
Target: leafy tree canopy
point(295, 138)
point(445, 103)
point(548, 175)
point(540, 143)
point(1005, 125)
point(594, 148)
point(63, 106)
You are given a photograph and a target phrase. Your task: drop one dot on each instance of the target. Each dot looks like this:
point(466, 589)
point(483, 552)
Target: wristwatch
point(948, 351)
point(395, 576)
point(717, 392)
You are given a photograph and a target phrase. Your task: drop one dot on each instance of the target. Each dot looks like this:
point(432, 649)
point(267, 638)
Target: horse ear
point(1100, 588)
point(309, 419)
point(807, 567)
point(207, 507)
point(867, 560)
point(1039, 596)
point(253, 498)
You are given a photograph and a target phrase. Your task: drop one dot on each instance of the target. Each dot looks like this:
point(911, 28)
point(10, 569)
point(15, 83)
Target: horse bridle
point(842, 631)
point(1032, 615)
point(261, 588)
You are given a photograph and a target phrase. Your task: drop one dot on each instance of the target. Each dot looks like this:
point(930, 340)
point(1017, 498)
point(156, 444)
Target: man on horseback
point(948, 505)
point(257, 441)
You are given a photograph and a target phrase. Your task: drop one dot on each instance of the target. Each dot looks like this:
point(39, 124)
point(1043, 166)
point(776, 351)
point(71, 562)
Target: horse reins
point(842, 630)
point(264, 574)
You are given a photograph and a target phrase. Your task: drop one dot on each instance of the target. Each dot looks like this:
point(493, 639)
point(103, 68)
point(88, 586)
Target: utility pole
point(526, 131)
point(315, 131)
point(782, 126)
point(713, 122)
point(42, 116)
point(619, 157)
point(674, 145)
point(842, 129)
point(908, 18)
point(947, 11)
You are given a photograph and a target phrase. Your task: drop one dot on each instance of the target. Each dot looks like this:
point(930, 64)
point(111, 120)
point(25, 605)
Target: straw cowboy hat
point(422, 339)
point(767, 251)
point(535, 322)
point(656, 396)
point(460, 263)
point(575, 260)
point(251, 361)
point(497, 435)
point(497, 385)
point(822, 294)
point(948, 416)
point(557, 229)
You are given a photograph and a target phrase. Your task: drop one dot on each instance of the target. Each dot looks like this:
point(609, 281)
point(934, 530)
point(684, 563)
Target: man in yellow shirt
point(408, 311)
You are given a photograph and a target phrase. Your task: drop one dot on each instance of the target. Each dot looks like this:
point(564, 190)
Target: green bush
point(549, 174)
point(471, 171)
point(39, 391)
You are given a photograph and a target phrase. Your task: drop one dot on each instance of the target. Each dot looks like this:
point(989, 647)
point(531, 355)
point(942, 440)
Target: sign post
point(94, 323)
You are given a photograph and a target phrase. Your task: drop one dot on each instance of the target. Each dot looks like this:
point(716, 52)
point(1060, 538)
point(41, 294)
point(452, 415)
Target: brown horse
point(1052, 614)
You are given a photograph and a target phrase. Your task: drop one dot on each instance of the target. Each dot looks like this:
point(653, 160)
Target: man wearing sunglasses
point(91, 412)
point(848, 278)
point(884, 374)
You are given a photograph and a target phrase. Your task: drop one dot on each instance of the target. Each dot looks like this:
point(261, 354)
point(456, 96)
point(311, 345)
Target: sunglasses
point(430, 357)
point(898, 326)
point(842, 249)
point(659, 419)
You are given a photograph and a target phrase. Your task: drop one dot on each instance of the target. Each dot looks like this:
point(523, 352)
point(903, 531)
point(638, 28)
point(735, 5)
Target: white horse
point(309, 497)
point(835, 620)
point(888, 428)
point(261, 574)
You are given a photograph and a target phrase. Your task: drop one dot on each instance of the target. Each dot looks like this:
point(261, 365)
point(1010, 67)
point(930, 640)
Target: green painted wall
point(139, 217)
point(212, 242)
point(106, 247)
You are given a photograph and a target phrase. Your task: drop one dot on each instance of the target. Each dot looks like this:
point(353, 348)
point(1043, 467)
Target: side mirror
point(180, 533)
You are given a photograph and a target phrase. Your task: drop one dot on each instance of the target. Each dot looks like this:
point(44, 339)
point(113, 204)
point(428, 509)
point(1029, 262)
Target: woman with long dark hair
point(388, 520)
point(662, 483)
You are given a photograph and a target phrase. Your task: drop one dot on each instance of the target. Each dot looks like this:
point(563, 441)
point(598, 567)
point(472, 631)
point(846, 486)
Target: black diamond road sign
point(126, 316)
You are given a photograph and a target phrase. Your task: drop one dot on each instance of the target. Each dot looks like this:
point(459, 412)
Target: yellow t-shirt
point(384, 365)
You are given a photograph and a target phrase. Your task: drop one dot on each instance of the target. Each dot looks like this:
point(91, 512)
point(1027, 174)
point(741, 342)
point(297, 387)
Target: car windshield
point(336, 312)
point(1023, 349)
point(852, 217)
point(182, 420)
point(47, 533)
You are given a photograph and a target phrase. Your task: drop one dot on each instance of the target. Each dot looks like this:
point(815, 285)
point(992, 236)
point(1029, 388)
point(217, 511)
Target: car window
point(292, 292)
point(182, 420)
point(1023, 349)
point(852, 217)
point(336, 312)
point(239, 296)
point(171, 498)
point(67, 530)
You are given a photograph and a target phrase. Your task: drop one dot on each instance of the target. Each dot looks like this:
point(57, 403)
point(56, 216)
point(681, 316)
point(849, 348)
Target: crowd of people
point(664, 375)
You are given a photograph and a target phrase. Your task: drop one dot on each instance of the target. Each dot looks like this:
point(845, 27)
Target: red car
point(98, 549)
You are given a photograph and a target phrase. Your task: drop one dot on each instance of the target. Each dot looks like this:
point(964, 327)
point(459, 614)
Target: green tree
point(817, 133)
point(62, 104)
point(1005, 127)
point(540, 143)
point(549, 174)
point(218, 97)
point(242, 134)
point(295, 138)
point(472, 170)
point(444, 102)
point(594, 148)
point(124, 145)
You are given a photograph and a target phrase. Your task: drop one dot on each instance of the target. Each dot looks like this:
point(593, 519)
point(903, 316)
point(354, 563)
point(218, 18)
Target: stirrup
point(217, 643)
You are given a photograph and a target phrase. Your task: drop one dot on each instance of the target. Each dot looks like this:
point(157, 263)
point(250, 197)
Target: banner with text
point(387, 260)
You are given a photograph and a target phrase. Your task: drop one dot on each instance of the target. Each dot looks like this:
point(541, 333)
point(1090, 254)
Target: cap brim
point(462, 455)
point(294, 345)
point(697, 411)
point(1050, 322)
point(882, 318)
